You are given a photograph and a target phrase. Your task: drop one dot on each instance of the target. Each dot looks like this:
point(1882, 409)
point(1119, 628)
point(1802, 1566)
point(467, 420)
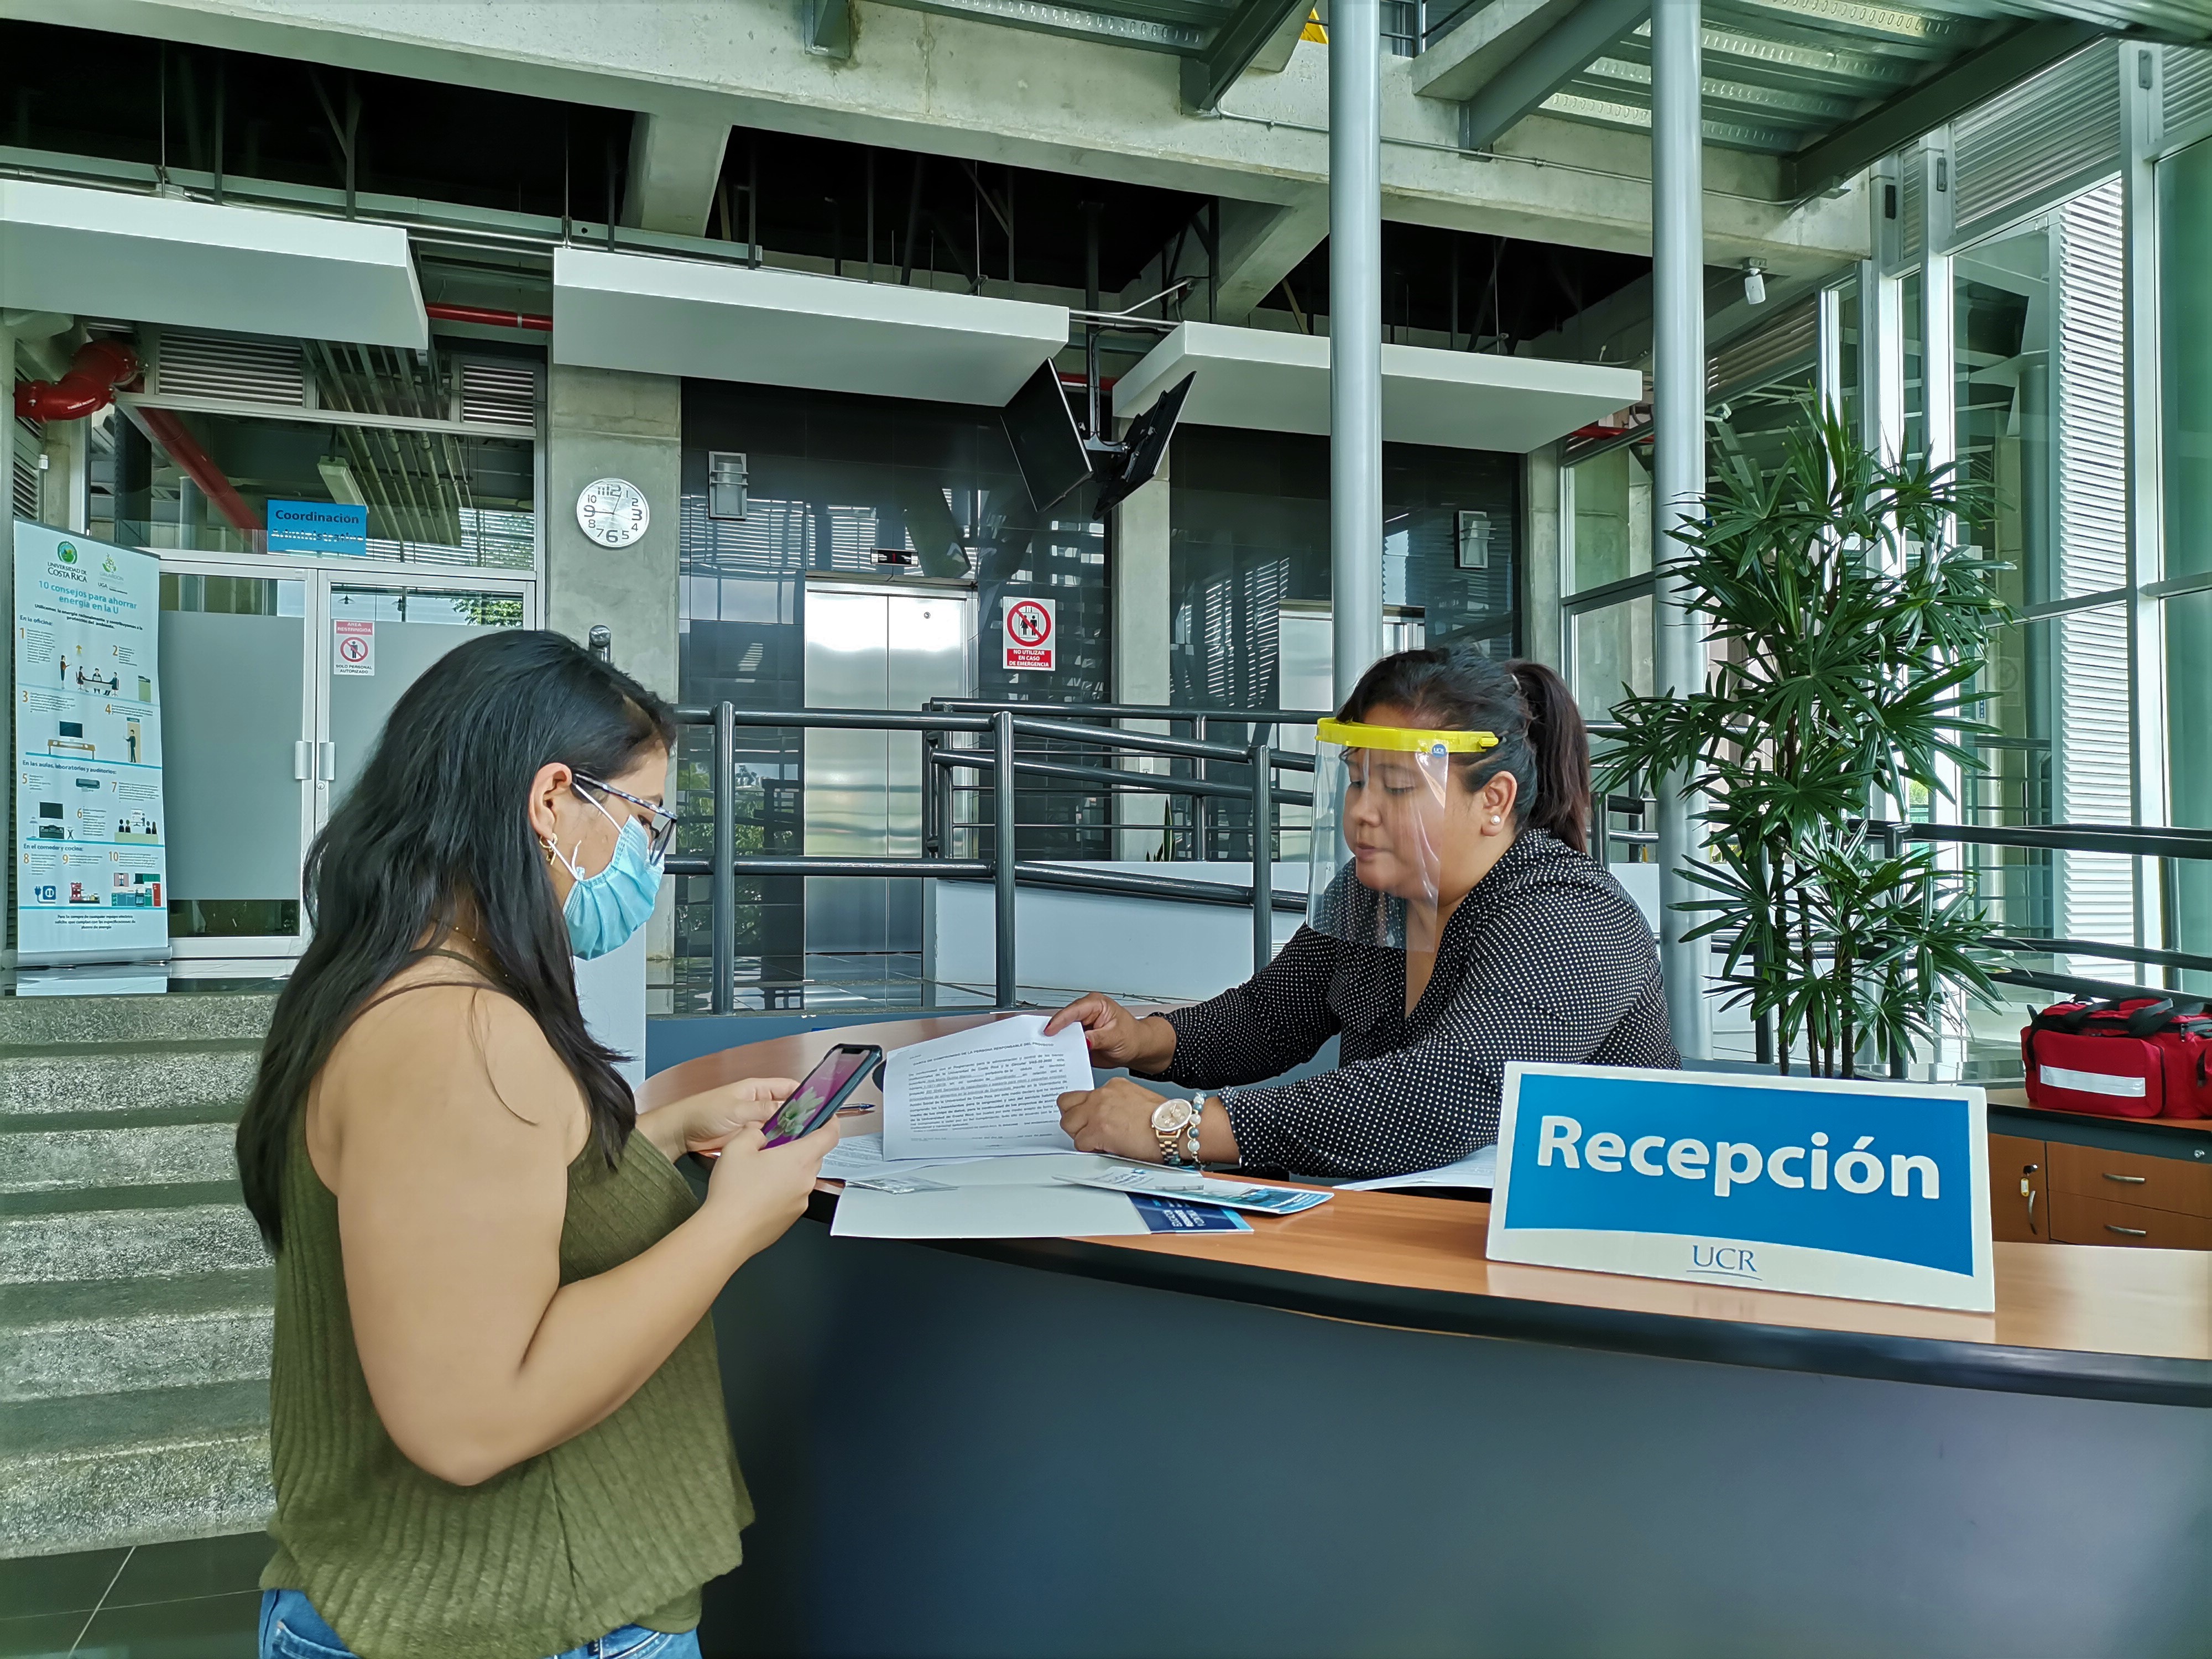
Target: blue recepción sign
point(1872, 1190)
point(325, 529)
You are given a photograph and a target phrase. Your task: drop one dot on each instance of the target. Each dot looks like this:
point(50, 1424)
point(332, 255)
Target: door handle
point(328, 754)
point(2128, 1232)
point(2128, 1180)
point(303, 761)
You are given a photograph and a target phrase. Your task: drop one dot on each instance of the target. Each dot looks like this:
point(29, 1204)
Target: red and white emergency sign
point(1028, 630)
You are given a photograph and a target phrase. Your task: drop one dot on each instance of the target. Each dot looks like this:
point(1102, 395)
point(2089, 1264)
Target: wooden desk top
point(2079, 1319)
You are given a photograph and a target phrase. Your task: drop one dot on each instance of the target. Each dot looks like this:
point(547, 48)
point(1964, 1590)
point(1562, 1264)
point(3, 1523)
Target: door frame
point(312, 768)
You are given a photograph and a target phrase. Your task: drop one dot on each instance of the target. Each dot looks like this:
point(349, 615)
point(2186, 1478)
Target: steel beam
point(1355, 328)
point(1549, 62)
point(673, 168)
point(828, 25)
point(1678, 373)
point(1890, 126)
point(1242, 36)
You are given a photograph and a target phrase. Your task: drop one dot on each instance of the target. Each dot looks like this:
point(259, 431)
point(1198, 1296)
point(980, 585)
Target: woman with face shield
point(1455, 924)
point(496, 1420)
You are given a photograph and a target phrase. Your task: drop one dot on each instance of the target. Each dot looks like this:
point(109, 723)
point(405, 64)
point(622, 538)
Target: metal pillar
point(1355, 336)
point(1263, 855)
point(722, 998)
point(1678, 373)
point(1007, 990)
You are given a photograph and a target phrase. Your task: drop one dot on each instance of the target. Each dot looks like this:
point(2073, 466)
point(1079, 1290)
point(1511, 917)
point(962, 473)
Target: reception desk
point(1347, 1433)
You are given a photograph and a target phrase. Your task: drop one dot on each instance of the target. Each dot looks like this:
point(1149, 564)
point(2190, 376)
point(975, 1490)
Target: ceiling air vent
point(24, 490)
point(239, 370)
point(498, 393)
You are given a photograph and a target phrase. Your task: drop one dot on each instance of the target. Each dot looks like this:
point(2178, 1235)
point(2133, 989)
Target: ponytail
point(1558, 743)
point(1541, 740)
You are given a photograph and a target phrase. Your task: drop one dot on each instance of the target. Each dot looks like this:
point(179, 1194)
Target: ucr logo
point(67, 552)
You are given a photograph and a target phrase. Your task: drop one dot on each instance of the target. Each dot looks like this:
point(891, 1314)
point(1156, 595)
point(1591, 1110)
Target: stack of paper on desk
point(993, 1198)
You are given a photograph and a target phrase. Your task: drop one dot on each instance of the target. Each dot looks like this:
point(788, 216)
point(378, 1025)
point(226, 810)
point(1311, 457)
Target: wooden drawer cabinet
point(2170, 1184)
point(2020, 1203)
point(2084, 1219)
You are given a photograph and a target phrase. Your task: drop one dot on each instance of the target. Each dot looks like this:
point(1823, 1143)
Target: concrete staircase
point(135, 1300)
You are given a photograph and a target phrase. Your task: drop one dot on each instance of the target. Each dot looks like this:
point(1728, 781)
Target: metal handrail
point(2126, 840)
point(1003, 868)
point(1113, 782)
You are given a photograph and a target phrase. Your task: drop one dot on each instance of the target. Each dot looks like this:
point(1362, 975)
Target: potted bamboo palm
point(1849, 628)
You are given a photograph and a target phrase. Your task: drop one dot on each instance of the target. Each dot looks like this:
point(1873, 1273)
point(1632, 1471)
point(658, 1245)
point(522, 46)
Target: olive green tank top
point(620, 1525)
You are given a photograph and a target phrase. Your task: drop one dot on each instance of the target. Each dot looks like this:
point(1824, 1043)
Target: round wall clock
point(612, 512)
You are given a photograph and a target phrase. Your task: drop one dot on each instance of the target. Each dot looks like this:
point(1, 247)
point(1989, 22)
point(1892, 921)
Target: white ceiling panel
point(194, 265)
point(1273, 382)
point(787, 328)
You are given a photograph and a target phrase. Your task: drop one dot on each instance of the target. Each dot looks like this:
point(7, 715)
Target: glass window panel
point(1611, 532)
point(1612, 649)
point(2184, 250)
point(2006, 318)
point(1912, 303)
point(2189, 717)
point(1755, 423)
point(1849, 402)
point(452, 500)
point(2058, 694)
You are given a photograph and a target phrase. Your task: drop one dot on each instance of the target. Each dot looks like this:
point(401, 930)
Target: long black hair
point(1541, 740)
point(438, 818)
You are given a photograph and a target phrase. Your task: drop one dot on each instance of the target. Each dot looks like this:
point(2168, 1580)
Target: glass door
point(237, 717)
point(375, 642)
point(276, 676)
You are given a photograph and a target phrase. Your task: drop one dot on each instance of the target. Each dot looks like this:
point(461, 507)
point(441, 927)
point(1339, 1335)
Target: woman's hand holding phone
point(757, 1191)
point(704, 1122)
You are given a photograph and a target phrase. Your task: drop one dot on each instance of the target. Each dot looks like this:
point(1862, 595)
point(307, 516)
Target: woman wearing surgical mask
point(1455, 925)
point(497, 1420)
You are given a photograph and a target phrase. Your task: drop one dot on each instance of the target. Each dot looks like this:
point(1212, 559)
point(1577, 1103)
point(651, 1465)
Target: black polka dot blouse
point(1547, 959)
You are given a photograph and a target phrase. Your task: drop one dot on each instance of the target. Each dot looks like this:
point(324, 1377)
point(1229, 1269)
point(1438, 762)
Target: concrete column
point(1143, 615)
point(1543, 552)
point(1355, 330)
point(602, 423)
point(1678, 371)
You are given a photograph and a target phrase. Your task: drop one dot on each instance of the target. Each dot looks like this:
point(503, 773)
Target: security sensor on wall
point(1754, 282)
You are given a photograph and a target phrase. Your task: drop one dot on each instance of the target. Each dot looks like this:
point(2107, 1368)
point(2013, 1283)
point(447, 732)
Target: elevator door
point(874, 647)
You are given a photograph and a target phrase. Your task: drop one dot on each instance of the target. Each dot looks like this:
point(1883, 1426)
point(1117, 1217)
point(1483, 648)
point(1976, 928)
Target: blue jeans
point(292, 1629)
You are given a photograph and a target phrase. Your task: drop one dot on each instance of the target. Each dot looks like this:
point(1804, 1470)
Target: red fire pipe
point(166, 429)
point(488, 317)
point(98, 368)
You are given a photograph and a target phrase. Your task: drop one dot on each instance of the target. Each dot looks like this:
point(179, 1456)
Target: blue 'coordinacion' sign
point(323, 528)
point(1868, 1189)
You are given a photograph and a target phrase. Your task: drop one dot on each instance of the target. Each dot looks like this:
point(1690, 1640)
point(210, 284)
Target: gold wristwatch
point(1174, 1123)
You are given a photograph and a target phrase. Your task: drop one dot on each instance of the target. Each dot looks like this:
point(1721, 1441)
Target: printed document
point(990, 1092)
point(1478, 1169)
point(861, 1157)
point(991, 1198)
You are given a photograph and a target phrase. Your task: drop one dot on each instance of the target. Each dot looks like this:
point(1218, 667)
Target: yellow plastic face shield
point(1384, 812)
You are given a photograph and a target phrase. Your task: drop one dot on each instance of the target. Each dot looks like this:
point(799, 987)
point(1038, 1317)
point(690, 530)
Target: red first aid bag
point(2122, 1059)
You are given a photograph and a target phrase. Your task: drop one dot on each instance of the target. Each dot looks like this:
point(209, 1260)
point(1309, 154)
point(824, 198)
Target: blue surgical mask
point(605, 909)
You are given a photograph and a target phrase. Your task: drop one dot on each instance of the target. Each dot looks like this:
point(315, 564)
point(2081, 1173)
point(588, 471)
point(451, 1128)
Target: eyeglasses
point(661, 822)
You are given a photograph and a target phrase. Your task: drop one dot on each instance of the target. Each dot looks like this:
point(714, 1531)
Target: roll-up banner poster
point(91, 871)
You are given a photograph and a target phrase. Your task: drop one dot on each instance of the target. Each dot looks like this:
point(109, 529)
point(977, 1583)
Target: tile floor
point(196, 1600)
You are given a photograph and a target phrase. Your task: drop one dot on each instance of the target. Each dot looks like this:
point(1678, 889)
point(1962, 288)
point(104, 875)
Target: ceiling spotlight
point(1754, 282)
